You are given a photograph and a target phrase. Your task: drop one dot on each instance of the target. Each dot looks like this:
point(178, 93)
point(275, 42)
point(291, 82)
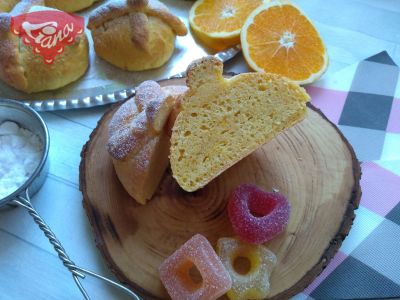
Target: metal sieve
point(27, 118)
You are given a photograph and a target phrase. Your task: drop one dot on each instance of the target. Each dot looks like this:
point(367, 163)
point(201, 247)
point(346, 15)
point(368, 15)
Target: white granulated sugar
point(20, 153)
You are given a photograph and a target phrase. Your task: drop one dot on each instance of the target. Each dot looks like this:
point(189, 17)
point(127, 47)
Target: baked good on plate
point(7, 5)
point(25, 70)
point(135, 35)
point(139, 138)
point(70, 5)
point(223, 120)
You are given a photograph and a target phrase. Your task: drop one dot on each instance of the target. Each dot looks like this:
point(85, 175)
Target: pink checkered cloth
point(364, 101)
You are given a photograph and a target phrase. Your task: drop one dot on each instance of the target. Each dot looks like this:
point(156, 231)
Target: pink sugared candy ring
point(257, 216)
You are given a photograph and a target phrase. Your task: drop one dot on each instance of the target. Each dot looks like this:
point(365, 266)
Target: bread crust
point(11, 69)
point(120, 8)
point(114, 43)
point(139, 139)
point(25, 70)
point(135, 35)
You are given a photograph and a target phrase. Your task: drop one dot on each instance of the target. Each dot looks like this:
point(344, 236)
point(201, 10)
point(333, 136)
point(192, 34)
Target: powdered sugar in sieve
point(23, 169)
point(20, 153)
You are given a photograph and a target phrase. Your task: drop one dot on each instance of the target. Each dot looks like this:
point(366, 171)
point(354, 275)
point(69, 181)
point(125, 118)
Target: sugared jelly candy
point(177, 272)
point(248, 281)
point(257, 216)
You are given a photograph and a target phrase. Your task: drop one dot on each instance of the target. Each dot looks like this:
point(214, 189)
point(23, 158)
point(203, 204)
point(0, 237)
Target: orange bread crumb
point(224, 120)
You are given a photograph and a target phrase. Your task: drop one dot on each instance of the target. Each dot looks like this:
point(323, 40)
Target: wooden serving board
point(311, 163)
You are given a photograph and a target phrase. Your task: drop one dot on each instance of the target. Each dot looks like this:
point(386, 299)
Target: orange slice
point(278, 38)
point(217, 23)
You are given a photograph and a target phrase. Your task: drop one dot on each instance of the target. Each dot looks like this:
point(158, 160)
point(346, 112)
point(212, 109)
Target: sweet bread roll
point(27, 71)
point(224, 120)
point(7, 5)
point(139, 141)
point(135, 35)
point(70, 5)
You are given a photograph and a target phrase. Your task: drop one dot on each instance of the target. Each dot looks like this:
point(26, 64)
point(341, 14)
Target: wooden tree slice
point(311, 163)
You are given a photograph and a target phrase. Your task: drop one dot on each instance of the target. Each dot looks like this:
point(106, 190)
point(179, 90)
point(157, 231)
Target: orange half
point(218, 23)
point(278, 38)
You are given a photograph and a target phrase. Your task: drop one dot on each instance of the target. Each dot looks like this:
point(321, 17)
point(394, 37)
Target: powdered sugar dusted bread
point(224, 120)
point(139, 140)
point(135, 35)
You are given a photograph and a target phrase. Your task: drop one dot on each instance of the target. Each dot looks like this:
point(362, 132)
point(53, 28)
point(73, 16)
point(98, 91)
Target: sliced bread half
point(224, 120)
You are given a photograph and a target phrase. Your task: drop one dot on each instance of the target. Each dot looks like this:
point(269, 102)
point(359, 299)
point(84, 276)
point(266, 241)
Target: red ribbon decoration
point(47, 32)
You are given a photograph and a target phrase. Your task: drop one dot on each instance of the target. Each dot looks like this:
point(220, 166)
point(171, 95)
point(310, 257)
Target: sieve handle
point(77, 272)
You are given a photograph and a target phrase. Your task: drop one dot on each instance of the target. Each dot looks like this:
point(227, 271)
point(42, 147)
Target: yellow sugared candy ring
point(252, 283)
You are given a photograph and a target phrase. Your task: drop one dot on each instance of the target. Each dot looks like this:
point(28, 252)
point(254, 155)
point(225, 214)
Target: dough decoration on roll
point(135, 35)
point(139, 138)
point(41, 48)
